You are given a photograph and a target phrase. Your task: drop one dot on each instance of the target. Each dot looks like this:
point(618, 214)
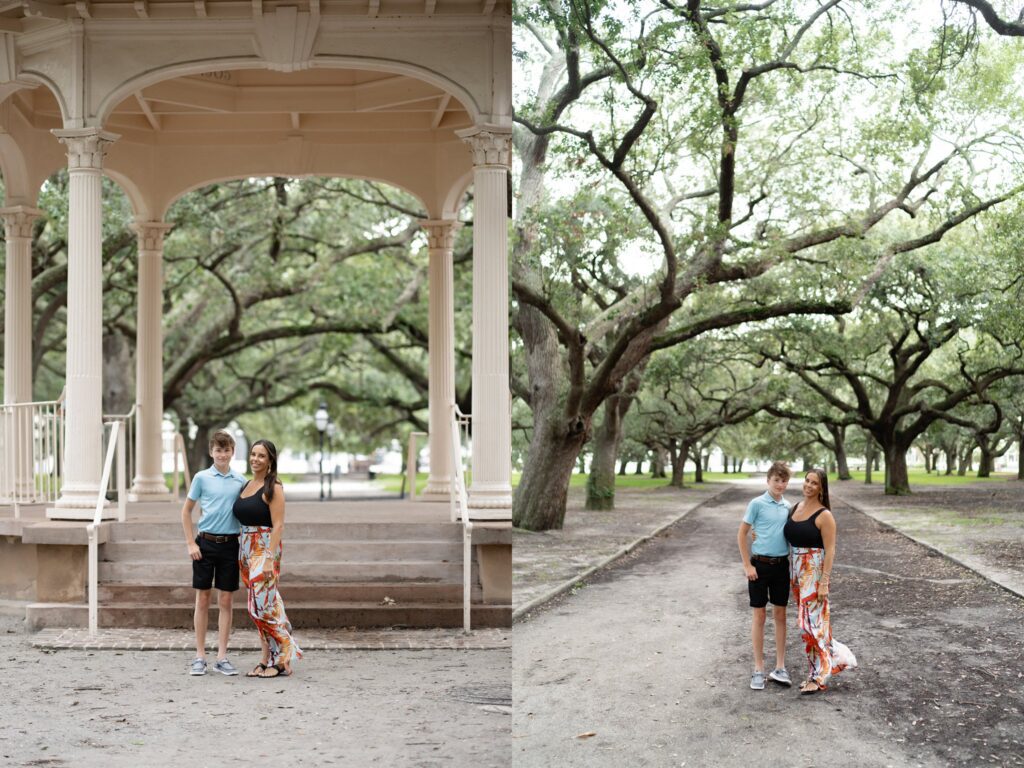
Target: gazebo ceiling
point(12, 11)
point(320, 104)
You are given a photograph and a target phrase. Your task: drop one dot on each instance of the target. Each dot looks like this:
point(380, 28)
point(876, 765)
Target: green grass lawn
point(393, 483)
point(920, 477)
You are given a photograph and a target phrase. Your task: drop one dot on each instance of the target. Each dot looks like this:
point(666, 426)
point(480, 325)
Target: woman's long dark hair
point(271, 479)
point(822, 479)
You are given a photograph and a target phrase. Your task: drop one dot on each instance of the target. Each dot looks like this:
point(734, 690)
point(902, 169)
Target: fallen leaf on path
point(586, 735)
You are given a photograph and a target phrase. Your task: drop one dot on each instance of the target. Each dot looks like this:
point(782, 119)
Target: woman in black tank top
point(811, 533)
point(260, 510)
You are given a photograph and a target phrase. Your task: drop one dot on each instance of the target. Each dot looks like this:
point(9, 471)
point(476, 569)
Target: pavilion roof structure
point(19, 15)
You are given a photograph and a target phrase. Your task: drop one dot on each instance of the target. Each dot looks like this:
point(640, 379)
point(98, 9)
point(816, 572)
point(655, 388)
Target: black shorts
point(772, 584)
point(218, 566)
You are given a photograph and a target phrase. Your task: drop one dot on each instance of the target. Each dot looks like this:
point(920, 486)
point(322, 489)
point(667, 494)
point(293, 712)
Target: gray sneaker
point(225, 667)
point(198, 667)
point(757, 681)
point(781, 676)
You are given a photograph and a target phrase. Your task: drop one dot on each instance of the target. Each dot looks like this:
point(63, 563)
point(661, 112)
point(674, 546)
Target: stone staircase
point(333, 575)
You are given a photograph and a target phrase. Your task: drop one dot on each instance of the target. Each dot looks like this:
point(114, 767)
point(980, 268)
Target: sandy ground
point(649, 664)
point(141, 709)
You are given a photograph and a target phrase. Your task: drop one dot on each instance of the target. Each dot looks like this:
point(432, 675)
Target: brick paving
point(321, 639)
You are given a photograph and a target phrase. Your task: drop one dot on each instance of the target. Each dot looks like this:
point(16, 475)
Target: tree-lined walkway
point(653, 658)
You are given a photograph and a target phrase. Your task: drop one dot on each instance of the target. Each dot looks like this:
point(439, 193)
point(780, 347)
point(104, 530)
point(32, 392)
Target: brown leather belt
point(769, 560)
point(218, 538)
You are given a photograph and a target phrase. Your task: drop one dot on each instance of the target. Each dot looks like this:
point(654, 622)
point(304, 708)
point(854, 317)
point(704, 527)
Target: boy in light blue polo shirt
point(214, 549)
point(766, 565)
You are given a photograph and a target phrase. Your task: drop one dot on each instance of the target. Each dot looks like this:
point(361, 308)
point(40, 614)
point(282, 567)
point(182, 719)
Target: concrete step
point(171, 531)
point(311, 572)
point(298, 594)
point(297, 550)
point(318, 615)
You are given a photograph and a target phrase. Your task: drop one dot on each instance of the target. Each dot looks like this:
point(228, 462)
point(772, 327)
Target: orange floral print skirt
point(260, 570)
point(825, 655)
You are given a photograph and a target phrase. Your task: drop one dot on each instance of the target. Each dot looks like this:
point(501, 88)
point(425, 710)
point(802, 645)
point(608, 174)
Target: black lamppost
point(321, 418)
point(330, 461)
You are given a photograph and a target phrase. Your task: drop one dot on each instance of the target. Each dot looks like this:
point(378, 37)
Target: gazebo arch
point(398, 67)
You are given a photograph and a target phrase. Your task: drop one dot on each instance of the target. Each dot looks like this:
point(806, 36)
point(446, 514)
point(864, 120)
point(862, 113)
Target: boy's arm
point(186, 524)
point(743, 538)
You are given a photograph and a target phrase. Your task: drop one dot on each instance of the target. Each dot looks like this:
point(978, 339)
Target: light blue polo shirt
point(216, 494)
point(768, 517)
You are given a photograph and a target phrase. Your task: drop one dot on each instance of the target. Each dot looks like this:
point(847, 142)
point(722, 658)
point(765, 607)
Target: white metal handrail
point(179, 450)
point(31, 444)
point(459, 498)
point(115, 447)
point(128, 437)
point(412, 461)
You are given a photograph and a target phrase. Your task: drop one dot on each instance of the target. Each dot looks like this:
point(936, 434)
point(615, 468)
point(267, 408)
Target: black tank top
point(252, 510)
point(803, 533)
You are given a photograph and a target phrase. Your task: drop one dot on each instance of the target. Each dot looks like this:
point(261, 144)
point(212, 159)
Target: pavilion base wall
point(44, 573)
point(495, 561)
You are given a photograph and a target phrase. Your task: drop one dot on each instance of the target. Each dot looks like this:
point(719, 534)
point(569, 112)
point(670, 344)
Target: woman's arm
point(827, 525)
point(277, 519)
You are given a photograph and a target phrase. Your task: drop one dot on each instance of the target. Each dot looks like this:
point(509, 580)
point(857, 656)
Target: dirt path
point(126, 709)
point(653, 656)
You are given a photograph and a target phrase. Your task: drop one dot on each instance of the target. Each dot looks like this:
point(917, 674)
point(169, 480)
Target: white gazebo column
point(83, 398)
point(492, 422)
point(441, 341)
point(18, 221)
point(148, 484)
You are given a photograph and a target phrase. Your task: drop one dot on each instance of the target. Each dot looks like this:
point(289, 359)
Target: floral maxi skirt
point(260, 570)
point(826, 656)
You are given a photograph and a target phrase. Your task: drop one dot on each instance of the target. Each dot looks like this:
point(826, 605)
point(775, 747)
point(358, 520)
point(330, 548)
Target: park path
point(653, 658)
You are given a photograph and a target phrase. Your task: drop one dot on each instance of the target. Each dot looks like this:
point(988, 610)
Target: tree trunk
point(639, 467)
point(842, 462)
point(1020, 459)
point(198, 450)
point(539, 501)
point(581, 464)
point(707, 461)
point(897, 482)
point(927, 462)
point(963, 462)
point(987, 462)
point(869, 458)
point(658, 460)
point(698, 473)
point(739, 467)
point(950, 461)
point(118, 374)
point(601, 483)
point(622, 467)
point(678, 458)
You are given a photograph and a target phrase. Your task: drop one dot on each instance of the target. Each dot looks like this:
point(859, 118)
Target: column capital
point(86, 146)
point(151, 234)
point(441, 232)
point(491, 146)
point(18, 220)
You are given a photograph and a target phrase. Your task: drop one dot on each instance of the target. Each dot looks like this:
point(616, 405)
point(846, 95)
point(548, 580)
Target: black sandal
point(257, 671)
point(279, 671)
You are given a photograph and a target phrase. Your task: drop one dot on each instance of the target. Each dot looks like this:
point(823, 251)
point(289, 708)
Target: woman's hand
point(823, 584)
